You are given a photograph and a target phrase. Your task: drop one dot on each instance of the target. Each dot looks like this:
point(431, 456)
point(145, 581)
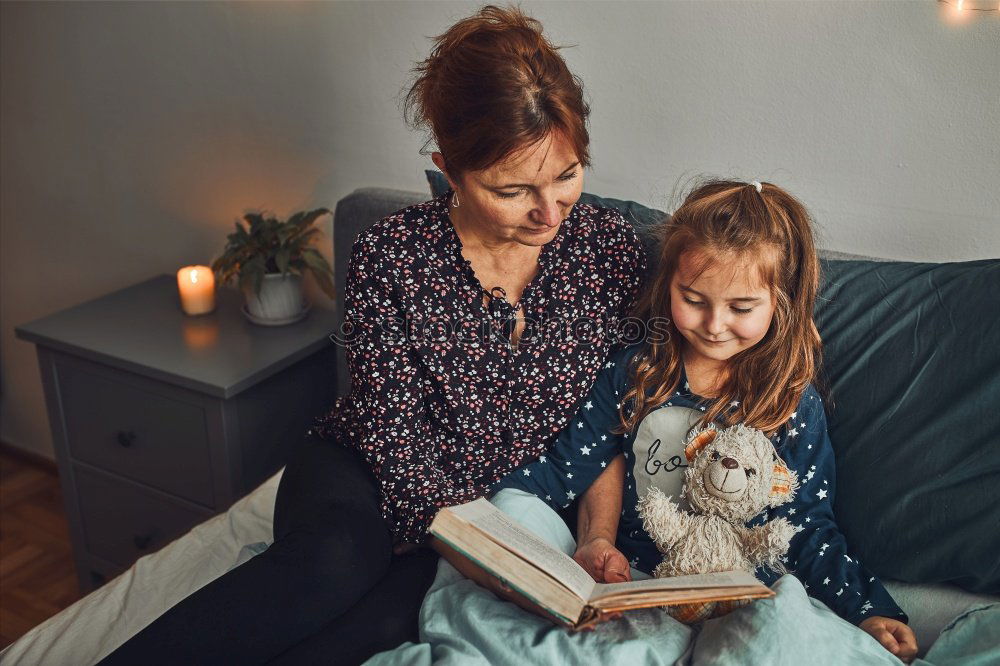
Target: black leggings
point(328, 590)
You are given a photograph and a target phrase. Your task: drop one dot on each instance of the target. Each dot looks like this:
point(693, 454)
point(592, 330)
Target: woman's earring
point(454, 200)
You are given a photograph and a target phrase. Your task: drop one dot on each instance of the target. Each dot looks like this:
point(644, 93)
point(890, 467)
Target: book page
point(504, 530)
point(534, 585)
point(719, 580)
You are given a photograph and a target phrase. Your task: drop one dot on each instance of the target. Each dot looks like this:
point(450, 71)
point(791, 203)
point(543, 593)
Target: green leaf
point(307, 236)
point(295, 220)
point(316, 261)
point(252, 273)
point(326, 284)
point(254, 222)
point(309, 218)
point(281, 258)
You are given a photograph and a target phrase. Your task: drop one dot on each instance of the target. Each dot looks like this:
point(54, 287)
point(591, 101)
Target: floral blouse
point(441, 404)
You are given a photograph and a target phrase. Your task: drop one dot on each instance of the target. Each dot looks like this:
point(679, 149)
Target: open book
point(556, 584)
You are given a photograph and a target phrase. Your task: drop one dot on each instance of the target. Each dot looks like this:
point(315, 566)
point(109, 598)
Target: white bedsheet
point(91, 628)
point(94, 626)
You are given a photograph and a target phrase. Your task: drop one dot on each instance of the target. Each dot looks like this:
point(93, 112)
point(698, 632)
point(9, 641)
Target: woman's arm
point(394, 434)
point(597, 526)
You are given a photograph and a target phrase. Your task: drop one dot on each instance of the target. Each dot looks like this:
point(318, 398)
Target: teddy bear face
point(732, 476)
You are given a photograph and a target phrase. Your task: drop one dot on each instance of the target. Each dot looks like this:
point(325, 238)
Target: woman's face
point(525, 197)
point(721, 310)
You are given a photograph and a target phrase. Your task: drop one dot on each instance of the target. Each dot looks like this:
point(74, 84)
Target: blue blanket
point(462, 623)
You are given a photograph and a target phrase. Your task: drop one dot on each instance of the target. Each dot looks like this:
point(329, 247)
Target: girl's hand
point(603, 561)
point(895, 636)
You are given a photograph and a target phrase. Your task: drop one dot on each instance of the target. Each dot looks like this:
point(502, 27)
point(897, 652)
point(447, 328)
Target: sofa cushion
point(912, 358)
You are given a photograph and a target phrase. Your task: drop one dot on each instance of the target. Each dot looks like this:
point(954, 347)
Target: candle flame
point(959, 5)
point(194, 275)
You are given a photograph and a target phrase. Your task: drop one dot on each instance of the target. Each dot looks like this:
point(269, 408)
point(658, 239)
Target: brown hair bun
point(493, 84)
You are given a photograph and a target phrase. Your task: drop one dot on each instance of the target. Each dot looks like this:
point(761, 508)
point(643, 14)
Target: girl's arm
point(597, 527)
point(818, 553)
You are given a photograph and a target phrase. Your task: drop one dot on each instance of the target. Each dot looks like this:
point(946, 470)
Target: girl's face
point(721, 310)
point(523, 199)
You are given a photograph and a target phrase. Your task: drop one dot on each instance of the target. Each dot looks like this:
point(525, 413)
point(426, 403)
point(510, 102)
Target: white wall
point(133, 134)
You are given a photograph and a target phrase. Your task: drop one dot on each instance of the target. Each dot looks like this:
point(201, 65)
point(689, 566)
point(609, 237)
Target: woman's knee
point(336, 561)
point(323, 476)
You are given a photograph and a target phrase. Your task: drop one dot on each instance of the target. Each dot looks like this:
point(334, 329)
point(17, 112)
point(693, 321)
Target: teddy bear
point(733, 474)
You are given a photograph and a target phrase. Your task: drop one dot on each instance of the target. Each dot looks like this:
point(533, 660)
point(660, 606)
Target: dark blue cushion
point(911, 353)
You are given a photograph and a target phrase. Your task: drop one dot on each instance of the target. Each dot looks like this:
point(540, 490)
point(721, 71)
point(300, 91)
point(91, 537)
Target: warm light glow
point(196, 286)
point(201, 333)
point(959, 5)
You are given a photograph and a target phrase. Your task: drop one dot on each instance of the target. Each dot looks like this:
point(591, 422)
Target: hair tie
point(757, 186)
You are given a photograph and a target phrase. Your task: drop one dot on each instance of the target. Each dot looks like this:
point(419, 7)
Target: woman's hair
point(771, 231)
point(492, 86)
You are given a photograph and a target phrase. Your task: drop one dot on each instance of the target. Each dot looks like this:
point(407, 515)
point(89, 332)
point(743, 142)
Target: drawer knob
point(142, 541)
point(126, 438)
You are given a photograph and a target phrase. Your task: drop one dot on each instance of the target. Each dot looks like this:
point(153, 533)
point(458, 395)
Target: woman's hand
point(895, 636)
point(480, 576)
point(603, 561)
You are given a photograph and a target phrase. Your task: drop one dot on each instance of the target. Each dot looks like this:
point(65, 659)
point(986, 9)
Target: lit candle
point(196, 285)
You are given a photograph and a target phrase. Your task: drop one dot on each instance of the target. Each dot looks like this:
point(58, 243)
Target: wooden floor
point(37, 578)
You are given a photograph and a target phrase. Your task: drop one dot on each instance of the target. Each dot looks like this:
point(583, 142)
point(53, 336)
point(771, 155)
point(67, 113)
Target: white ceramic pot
point(280, 299)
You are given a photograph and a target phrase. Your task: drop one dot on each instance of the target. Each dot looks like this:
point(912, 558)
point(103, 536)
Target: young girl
point(735, 287)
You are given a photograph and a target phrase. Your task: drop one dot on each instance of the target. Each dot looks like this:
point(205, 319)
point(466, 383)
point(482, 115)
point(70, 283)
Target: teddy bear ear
point(700, 441)
point(783, 484)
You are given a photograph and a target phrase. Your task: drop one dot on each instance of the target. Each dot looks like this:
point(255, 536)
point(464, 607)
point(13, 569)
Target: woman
point(462, 365)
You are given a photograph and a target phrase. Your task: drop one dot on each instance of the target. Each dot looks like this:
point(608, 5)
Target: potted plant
point(268, 258)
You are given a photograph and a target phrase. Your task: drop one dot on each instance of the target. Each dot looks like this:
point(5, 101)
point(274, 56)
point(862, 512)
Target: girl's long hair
point(772, 231)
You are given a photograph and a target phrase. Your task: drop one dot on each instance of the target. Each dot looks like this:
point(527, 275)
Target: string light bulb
point(971, 6)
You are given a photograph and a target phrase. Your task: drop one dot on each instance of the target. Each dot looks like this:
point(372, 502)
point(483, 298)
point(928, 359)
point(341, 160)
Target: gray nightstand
point(160, 420)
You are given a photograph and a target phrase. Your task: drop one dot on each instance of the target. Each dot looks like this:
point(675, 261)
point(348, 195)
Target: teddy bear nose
point(729, 463)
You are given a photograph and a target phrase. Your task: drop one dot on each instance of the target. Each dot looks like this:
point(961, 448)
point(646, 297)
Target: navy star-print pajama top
point(441, 406)
point(654, 456)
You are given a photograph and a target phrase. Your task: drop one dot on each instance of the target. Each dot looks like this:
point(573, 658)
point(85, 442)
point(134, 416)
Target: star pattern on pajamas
point(818, 554)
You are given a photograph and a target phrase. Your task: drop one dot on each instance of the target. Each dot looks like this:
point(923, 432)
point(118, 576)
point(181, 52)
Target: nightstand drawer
point(122, 522)
point(118, 426)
